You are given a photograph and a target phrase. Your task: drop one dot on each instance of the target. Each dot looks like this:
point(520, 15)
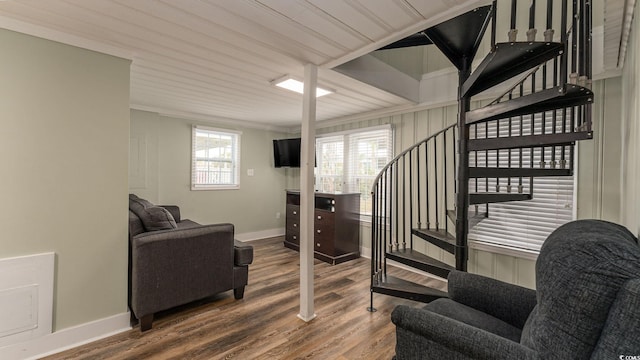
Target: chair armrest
point(622, 330)
point(162, 261)
point(427, 335)
point(507, 302)
point(174, 210)
point(242, 253)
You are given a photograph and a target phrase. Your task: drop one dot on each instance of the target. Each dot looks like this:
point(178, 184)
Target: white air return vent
point(26, 297)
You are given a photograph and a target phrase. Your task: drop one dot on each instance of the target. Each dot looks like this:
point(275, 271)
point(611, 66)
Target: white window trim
point(359, 130)
point(237, 172)
point(364, 218)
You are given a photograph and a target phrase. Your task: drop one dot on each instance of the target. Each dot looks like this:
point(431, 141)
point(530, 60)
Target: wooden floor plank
point(264, 325)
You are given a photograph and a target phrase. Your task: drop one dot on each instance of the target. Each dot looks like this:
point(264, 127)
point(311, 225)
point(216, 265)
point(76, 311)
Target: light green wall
point(167, 173)
point(64, 153)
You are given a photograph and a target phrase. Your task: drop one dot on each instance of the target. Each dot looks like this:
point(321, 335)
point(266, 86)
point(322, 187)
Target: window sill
point(221, 187)
point(504, 250)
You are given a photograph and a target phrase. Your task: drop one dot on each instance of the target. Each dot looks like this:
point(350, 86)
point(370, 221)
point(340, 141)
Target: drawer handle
point(295, 237)
point(295, 212)
point(295, 225)
point(318, 231)
point(319, 217)
point(318, 244)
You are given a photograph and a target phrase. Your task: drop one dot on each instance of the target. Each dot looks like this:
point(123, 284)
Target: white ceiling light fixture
point(290, 83)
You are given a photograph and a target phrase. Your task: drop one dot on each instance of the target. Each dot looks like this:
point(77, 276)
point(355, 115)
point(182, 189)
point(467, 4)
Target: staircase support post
point(462, 197)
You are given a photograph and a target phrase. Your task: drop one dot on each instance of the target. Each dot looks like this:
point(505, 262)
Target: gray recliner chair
point(587, 305)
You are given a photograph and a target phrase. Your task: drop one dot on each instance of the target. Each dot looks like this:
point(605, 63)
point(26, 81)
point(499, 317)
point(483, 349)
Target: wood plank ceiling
point(215, 59)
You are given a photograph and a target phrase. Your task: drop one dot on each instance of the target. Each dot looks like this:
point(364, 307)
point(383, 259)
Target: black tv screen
point(286, 152)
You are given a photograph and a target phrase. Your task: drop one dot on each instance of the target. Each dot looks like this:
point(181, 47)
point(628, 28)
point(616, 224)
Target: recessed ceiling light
point(289, 83)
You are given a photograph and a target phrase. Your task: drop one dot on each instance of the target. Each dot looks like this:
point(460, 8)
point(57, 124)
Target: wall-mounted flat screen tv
point(286, 152)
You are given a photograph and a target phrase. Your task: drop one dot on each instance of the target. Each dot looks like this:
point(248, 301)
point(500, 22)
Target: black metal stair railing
point(530, 129)
point(413, 193)
point(440, 187)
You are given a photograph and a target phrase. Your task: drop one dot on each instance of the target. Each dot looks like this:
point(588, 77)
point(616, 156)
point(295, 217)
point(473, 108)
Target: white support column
point(307, 193)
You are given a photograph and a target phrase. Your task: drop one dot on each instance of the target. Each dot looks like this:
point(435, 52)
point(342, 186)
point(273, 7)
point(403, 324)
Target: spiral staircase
point(439, 188)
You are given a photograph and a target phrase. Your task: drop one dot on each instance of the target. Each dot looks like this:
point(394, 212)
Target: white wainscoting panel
point(26, 297)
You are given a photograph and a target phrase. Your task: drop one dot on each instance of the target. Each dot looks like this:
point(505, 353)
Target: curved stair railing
point(411, 196)
point(435, 191)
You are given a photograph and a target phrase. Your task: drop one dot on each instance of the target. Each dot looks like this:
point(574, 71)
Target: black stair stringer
point(440, 238)
point(474, 217)
point(528, 141)
point(507, 60)
point(389, 285)
point(460, 37)
point(420, 261)
point(492, 172)
point(558, 97)
point(492, 198)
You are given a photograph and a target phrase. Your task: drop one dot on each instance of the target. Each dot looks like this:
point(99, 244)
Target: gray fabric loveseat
point(587, 305)
point(174, 261)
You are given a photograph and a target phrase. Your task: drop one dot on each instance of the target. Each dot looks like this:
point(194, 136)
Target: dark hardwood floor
point(264, 325)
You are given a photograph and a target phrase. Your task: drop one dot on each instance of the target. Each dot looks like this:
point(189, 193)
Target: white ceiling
point(214, 59)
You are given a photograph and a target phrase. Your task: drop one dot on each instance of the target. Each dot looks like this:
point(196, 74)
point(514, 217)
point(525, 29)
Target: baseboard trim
point(67, 338)
point(258, 235)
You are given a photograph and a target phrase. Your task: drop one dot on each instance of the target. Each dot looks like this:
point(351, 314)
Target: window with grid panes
point(215, 159)
point(349, 161)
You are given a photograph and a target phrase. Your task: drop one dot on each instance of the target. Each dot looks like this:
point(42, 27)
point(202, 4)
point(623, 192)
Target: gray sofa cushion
point(139, 201)
point(158, 218)
point(135, 225)
point(577, 284)
point(475, 318)
point(153, 217)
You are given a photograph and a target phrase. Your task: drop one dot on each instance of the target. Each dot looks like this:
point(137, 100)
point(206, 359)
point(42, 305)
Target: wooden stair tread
point(397, 287)
point(420, 261)
point(507, 60)
point(440, 238)
point(546, 100)
point(493, 172)
point(528, 141)
point(490, 198)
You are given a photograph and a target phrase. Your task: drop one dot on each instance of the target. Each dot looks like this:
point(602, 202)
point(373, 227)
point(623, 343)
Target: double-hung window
point(348, 162)
point(215, 159)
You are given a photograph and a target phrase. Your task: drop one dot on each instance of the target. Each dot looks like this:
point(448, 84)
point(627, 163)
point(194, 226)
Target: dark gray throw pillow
point(158, 218)
point(153, 217)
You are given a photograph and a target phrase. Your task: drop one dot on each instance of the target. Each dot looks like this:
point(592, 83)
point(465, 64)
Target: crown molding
point(64, 38)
